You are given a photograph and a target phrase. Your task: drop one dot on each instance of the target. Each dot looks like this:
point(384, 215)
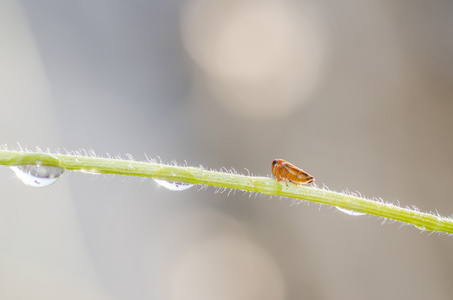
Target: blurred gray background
point(357, 93)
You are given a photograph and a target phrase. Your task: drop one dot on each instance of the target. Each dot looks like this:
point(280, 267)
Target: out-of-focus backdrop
point(357, 93)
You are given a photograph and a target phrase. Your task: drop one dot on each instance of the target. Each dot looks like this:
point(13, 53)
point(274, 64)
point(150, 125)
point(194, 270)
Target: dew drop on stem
point(350, 212)
point(173, 186)
point(37, 169)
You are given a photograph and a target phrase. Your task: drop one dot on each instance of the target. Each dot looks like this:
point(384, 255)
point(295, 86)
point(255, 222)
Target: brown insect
point(283, 170)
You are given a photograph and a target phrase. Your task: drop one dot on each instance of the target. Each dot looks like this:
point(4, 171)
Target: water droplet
point(92, 171)
point(37, 169)
point(350, 212)
point(173, 186)
point(422, 228)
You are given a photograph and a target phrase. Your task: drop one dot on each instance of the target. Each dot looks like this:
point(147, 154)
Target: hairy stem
point(263, 185)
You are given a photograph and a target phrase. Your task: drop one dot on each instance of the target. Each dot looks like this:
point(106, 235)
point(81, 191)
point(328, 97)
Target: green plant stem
point(264, 185)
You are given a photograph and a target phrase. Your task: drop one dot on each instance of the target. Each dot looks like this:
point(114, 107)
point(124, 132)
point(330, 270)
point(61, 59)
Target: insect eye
point(274, 162)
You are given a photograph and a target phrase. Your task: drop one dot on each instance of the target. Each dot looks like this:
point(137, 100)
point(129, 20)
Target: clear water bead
point(173, 186)
point(37, 169)
point(422, 228)
point(37, 176)
point(350, 212)
point(91, 171)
